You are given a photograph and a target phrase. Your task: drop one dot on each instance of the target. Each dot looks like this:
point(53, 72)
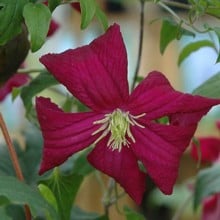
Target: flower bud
point(12, 55)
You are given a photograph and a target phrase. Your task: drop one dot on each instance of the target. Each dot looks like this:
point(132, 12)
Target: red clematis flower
point(210, 152)
point(16, 80)
point(211, 207)
point(209, 149)
point(122, 127)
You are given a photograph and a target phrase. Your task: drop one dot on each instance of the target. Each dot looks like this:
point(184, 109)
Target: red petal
point(160, 148)
point(157, 98)
point(209, 148)
point(122, 166)
point(64, 133)
point(76, 6)
point(53, 28)
point(95, 74)
point(16, 80)
point(218, 124)
point(211, 208)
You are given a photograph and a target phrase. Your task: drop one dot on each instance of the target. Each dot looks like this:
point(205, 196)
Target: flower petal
point(211, 208)
point(64, 133)
point(16, 80)
point(122, 166)
point(76, 6)
point(160, 148)
point(96, 73)
point(218, 124)
point(157, 98)
point(54, 26)
point(209, 148)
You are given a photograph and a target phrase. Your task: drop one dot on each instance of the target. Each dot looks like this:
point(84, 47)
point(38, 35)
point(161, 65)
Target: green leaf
point(79, 214)
point(48, 195)
point(3, 214)
point(15, 93)
point(15, 211)
point(213, 8)
point(37, 18)
point(11, 19)
point(6, 167)
point(53, 4)
point(213, 11)
point(207, 183)
point(41, 82)
point(192, 47)
point(132, 214)
point(81, 165)
point(20, 193)
point(80, 106)
point(217, 31)
point(170, 31)
point(30, 156)
point(88, 10)
point(65, 188)
point(209, 88)
point(4, 200)
point(68, 104)
point(101, 17)
point(218, 58)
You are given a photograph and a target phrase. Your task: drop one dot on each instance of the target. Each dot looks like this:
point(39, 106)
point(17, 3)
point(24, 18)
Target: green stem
point(165, 6)
point(14, 159)
point(107, 196)
point(176, 4)
point(100, 181)
point(27, 71)
point(110, 199)
point(180, 210)
point(140, 43)
point(168, 9)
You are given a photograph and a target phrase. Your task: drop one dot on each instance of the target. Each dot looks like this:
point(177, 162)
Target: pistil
point(118, 125)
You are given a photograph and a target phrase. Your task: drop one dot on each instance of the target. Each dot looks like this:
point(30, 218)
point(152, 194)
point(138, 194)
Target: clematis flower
point(211, 207)
point(15, 81)
point(209, 149)
point(210, 152)
point(121, 126)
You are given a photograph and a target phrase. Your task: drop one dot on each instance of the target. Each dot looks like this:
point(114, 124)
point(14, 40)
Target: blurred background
point(192, 72)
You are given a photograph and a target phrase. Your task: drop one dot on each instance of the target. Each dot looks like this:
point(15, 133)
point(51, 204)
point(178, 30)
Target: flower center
point(118, 124)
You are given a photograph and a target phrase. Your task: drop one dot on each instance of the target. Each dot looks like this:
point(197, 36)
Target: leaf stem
point(28, 71)
point(177, 4)
point(110, 199)
point(107, 196)
point(11, 149)
point(181, 209)
point(166, 7)
point(140, 43)
point(14, 159)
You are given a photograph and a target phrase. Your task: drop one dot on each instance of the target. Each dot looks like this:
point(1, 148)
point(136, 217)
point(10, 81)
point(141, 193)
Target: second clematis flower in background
point(209, 148)
point(122, 127)
point(17, 80)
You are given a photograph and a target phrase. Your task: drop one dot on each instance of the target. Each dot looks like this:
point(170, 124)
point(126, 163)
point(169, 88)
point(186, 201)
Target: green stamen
point(118, 124)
